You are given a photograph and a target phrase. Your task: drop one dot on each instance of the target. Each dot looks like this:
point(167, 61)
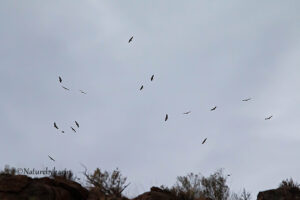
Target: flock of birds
point(141, 88)
point(75, 122)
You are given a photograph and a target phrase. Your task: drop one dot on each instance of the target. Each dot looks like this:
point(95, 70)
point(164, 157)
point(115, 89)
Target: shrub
point(111, 184)
point(289, 184)
point(8, 170)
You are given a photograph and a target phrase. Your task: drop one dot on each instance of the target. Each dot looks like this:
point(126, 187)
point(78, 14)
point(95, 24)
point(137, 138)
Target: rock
point(159, 194)
point(21, 187)
point(280, 194)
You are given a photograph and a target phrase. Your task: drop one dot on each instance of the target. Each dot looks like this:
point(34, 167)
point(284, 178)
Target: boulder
point(280, 194)
point(19, 187)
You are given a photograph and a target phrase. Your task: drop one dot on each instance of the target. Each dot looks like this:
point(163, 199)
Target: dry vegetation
point(189, 187)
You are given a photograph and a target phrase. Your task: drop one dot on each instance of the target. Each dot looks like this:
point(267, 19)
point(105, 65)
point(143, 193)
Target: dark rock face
point(159, 194)
point(156, 194)
point(21, 187)
point(280, 194)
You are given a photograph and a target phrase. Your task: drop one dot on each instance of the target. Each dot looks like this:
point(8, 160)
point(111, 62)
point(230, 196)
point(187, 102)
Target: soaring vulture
point(214, 108)
point(246, 99)
point(185, 113)
point(51, 158)
point(166, 118)
point(55, 125)
point(204, 140)
point(82, 92)
point(77, 124)
point(130, 39)
point(267, 118)
point(73, 129)
point(60, 79)
point(65, 88)
point(152, 77)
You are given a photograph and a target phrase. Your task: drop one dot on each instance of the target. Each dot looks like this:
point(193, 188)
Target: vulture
point(185, 113)
point(130, 39)
point(267, 118)
point(246, 99)
point(152, 77)
point(82, 92)
point(77, 124)
point(73, 129)
point(62, 131)
point(51, 158)
point(65, 88)
point(214, 108)
point(141, 87)
point(204, 140)
point(166, 118)
point(60, 79)
point(55, 125)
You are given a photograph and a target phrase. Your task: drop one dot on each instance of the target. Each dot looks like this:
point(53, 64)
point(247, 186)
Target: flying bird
point(130, 39)
point(51, 158)
point(73, 129)
point(214, 108)
point(204, 140)
point(65, 88)
point(141, 87)
point(246, 99)
point(267, 118)
point(77, 124)
point(62, 131)
point(166, 118)
point(152, 77)
point(60, 79)
point(82, 92)
point(185, 113)
point(55, 125)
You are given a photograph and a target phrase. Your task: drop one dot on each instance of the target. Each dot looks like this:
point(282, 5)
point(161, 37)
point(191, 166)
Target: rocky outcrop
point(159, 194)
point(280, 194)
point(21, 187)
point(156, 194)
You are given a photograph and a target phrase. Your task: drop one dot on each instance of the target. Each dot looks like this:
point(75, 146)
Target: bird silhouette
point(204, 140)
point(130, 39)
point(73, 129)
point(62, 131)
point(246, 99)
point(51, 158)
point(65, 88)
point(268, 118)
point(188, 112)
point(60, 79)
point(55, 125)
point(166, 118)
point(82, 92)
point(152, 77)
point(214, 108)
point(141, 87)
point(77, 124)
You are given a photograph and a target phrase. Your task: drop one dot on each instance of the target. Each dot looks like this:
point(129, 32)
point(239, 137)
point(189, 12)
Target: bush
point(188, 187)
point(193, 186)
point(8, 170)
point(289, 184)
point(244, 196)
point(110, 184)
point(215, 186)
point(67, 175)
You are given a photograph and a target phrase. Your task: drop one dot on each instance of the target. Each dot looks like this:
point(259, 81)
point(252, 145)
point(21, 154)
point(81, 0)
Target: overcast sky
point(203, 53)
